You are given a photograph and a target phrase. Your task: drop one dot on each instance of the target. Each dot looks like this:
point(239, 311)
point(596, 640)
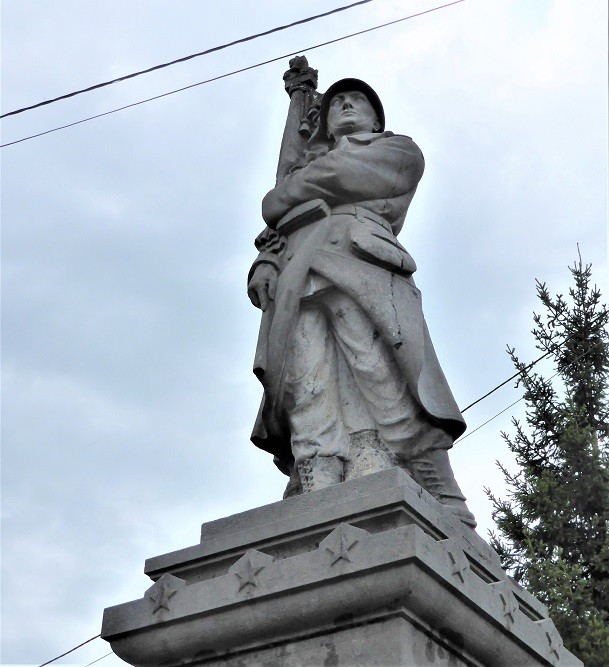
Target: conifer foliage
point(553, 528)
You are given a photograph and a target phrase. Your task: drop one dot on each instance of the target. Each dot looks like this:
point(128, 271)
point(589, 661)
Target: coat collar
point(366, 137)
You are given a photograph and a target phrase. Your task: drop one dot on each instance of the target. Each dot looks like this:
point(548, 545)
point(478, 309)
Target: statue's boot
point(294, 487)
point(432, 470)
point(368, 454)
point(320, 472)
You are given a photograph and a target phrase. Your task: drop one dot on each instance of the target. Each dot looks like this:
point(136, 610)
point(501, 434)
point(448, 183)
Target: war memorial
point(372, 557)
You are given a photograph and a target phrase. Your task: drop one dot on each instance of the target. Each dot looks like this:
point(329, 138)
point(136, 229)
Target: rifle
point(300, 84)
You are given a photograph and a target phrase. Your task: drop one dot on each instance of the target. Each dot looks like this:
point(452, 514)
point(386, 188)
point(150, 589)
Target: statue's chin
point(345, 130)
point(351, 128)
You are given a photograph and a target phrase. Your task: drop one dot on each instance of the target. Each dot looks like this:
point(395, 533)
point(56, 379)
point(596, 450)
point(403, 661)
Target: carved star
point(552, 636)
point(247, 575)
point(249, 566)
point(509, 603)
point(341, 550)
point(554, 643)
point(459, 563)
point(339, 543)
point(163, 590)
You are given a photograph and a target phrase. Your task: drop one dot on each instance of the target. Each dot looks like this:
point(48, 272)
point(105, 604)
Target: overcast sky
point(127, 334)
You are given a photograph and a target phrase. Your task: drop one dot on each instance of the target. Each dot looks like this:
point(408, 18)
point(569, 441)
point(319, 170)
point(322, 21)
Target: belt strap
point(317, 209)
point(362, 213)
point(302, 215)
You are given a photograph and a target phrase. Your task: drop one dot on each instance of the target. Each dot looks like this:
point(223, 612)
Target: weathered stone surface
point(371, 645)
point(352, 385)
point(368, 572)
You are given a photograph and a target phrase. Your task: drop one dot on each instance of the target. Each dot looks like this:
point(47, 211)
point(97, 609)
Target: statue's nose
point(347, 104)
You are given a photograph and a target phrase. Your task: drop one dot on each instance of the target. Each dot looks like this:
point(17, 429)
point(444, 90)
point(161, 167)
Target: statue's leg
point(318, 437)
point(432, 470)
point(406, 435)
point(381, 385)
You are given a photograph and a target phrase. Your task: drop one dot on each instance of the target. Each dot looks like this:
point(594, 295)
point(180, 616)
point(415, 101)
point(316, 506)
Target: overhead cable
point(577, 358)
point(98, 659)
point(513, 377)
point(488, 420)
point(519, 373)
point(184, 59)
point(48, 662)
point(223, 76)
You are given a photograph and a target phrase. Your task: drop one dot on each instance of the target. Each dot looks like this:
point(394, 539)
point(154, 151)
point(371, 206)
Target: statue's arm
point(262, 277)
point(352, 172)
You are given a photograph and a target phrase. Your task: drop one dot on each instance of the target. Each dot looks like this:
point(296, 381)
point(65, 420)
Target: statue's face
point(351, 112)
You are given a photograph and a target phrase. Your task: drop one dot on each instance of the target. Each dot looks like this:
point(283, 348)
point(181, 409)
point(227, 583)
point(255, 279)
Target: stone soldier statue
point(351, 380)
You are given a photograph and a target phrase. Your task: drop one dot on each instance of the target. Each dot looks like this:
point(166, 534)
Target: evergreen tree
point(553, 528)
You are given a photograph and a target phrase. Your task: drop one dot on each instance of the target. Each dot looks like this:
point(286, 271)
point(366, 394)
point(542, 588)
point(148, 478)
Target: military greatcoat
point(332, 225)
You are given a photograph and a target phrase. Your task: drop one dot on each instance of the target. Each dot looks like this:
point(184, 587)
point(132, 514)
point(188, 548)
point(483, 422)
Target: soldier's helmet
point(343, 86)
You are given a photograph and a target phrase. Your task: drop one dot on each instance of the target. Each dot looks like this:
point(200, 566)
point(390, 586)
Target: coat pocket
point(380, 247)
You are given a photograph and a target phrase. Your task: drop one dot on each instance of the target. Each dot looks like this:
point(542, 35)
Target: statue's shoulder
point(404, 138)
point(405, 143)
point(400, 143)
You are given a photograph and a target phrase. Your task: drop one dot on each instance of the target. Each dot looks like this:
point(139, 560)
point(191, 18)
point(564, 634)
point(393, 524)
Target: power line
point(577, 358)
point(518, 373)
point(184, 59)
point(489, 420)
point(48, 662)
point(553, 348)
point(238, 71)
point(98, 659)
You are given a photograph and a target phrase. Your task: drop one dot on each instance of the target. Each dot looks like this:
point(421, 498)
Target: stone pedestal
point(368, 572)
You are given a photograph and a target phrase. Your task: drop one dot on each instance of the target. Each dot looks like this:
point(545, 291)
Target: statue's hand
point(263, 285)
